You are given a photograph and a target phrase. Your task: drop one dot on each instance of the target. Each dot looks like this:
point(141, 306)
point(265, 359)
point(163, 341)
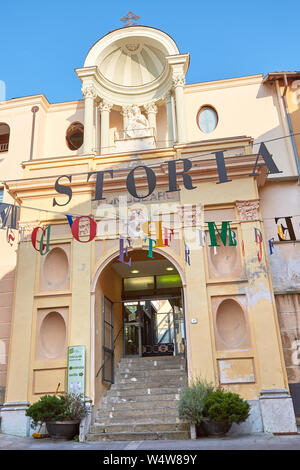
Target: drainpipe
point(290, 125)
point(34, 110)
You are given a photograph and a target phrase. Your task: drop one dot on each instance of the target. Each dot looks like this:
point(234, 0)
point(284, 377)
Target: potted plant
point(221, 409)
point(192, 401)
point(61, 414)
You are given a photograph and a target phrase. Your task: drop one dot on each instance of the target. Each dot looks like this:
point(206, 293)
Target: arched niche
point(223, 260)
point(52, 336)
point(231, 325)
point(55, 269)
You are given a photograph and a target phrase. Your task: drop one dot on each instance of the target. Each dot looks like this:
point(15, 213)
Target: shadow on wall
point(6, 304)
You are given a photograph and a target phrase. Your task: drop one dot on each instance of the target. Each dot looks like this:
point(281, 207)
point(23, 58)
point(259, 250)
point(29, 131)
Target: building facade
point(170, 209)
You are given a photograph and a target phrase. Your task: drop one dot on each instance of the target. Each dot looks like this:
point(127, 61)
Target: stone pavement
point(252, 442)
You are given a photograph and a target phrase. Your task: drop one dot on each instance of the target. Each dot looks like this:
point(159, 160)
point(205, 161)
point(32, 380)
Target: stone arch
point(103, 263)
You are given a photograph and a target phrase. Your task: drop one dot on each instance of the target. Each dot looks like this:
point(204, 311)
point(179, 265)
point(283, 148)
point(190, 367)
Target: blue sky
point(42, 42)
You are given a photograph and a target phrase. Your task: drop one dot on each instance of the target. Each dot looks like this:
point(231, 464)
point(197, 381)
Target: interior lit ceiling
point(145, 268)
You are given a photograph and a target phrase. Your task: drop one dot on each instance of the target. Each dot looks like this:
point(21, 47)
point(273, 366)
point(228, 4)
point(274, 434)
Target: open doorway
point(153, 327)
point(142, 311)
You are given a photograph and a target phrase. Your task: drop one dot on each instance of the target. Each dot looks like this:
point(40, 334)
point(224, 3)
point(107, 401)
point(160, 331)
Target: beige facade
point(226, 294)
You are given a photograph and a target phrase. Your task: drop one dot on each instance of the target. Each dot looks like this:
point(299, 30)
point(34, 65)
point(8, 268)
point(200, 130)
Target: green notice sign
point(76, 369)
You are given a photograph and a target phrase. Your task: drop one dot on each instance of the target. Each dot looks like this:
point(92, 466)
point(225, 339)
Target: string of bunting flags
point(226, 235)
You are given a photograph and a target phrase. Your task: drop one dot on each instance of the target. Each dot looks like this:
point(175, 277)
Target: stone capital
point(89, 91)
point(104, 106)
point(248, 210)
point(125, 110)
point(150, 107)
point(178, 80)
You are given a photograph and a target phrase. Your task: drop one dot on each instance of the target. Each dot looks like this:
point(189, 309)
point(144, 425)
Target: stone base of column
point(13, 419)
point(253, 423)
point(86, 422)
point(277, 411)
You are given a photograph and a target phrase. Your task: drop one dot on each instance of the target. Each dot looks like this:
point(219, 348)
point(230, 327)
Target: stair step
point(150, 373)
point(153, 359)
point(139, 427)
point(153, 380)
point(137, 367)
point(152, 366)
point(139, 436)
point(145, 397)
point(117, 411)
point(135, 385)
point(138, 405)
point(139, 419)
point(142, 404)
point(151, 393)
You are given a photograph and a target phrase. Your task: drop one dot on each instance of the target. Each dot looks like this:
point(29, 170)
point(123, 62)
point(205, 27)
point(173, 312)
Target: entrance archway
point(138, 311)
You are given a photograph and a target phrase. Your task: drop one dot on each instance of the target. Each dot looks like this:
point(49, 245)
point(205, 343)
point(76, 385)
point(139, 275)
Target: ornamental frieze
point(248, 210)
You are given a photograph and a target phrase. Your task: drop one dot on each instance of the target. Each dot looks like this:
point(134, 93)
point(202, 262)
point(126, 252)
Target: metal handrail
point(104, 362)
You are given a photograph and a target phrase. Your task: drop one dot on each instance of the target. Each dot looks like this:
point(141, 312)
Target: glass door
point(132, 329)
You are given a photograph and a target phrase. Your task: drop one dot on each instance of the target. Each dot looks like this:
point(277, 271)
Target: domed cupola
point(132, 65)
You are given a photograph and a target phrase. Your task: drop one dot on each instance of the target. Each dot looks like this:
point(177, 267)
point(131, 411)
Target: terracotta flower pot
point(63, 429)
point(213, 428)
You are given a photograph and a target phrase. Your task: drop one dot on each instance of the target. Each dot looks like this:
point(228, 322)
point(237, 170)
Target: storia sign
point(173, 174)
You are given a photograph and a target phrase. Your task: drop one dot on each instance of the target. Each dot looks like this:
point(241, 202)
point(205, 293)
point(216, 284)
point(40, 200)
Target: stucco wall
point(245, 107)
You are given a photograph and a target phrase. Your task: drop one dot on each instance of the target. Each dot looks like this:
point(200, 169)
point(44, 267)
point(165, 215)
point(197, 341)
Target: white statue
point(138, 125)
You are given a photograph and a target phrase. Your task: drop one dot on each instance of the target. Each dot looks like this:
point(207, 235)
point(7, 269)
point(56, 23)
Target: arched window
point(74, 135)
point(4, 137)
point(207, 119)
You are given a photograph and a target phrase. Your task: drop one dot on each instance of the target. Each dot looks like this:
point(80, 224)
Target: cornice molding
point(203, 170)
point(225, 83)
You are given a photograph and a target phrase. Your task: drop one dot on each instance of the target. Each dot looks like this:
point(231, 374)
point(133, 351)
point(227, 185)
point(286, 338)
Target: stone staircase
point(142, 404)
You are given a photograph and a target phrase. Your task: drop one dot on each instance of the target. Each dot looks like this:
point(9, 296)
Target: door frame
point(106, 349)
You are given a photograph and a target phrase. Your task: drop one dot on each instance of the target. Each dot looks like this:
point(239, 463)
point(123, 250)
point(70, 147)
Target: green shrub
point(192, 400)
point(48, 408)
point(225, 407)
point(57, 408)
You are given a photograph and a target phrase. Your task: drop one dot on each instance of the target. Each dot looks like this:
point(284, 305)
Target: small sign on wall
point(76, 369)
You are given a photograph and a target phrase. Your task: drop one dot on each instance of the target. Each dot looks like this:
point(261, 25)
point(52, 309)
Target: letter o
point(75, 229)
point(130, 182)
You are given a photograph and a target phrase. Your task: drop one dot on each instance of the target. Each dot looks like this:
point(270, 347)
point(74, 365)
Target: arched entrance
point(139, 312)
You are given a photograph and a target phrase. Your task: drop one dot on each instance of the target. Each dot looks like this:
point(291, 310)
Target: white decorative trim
point(104, 106)
point(178, 80)
point(89, 91)
point(126, 110)
point(150, 108)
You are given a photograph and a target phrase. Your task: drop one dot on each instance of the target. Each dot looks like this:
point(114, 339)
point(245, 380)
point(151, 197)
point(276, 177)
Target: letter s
point(63, 189)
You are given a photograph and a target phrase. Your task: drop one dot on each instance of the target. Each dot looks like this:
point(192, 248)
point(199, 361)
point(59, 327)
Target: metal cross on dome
point(130, 18)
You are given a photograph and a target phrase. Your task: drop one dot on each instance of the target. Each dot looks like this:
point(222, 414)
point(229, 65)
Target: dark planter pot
point(200, 431)
point(63, 429)
point(212, 428)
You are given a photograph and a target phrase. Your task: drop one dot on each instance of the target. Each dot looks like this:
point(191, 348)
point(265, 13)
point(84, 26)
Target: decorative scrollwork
point(248, 210)
point(89, 91)
point(178, 80)
point(104, 106)
point(150, 107)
